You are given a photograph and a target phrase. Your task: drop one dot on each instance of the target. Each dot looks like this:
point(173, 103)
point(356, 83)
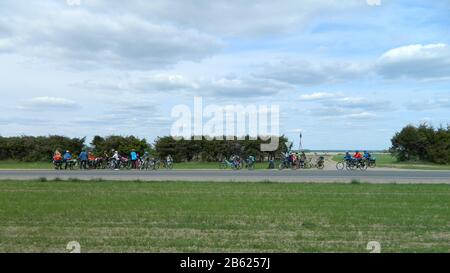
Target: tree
point(423, 143)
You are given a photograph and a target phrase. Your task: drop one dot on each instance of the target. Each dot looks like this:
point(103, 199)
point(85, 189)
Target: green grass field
point(222, 217)
point(14, 165)
point(388, 161)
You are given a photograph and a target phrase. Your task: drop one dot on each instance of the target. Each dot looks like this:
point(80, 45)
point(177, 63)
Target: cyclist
point(67, 158)
point(57, 159)
point(357, 155)
point(236, 161)
point(347, 156)
point(146, 157)
point(83, 160)
point(169, 160)
point(93, 161)
point(367, 155)
point(134, 158)
point(302, 160)
point(116, 158)
point(293, 158)
point(251, 161)
point(271, 164)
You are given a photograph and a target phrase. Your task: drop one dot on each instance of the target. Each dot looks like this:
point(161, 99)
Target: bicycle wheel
point(363, 166)
point(340, 166)
point(350, 166)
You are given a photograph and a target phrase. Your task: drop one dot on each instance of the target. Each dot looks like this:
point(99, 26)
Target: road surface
point(370, 176)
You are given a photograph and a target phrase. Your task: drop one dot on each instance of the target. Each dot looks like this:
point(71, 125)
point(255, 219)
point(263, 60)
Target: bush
point(423, 143)
point(32, 149)
point(213, 150)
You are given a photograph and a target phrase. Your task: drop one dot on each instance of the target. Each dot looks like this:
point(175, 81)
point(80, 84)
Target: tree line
point(412, 143)
point(33, 149)
point(422, 143)
point(206, 150)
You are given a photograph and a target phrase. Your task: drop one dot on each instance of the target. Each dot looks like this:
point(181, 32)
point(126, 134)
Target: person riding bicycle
point(57, 159)
point(67, 158)
point(271, 164)
point(367, 155)
point(83, 160)
point(169, 160)
point(116, 158)
point(91, 157)
point(134, 158)
point(146, 157)
point(348, 157)
point(251, 160)
point(293, 158)
point(302, 159)
point(358, 157)
point(236, 160)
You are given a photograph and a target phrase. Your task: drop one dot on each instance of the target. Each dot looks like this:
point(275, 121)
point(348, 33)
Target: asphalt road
point(370, 176)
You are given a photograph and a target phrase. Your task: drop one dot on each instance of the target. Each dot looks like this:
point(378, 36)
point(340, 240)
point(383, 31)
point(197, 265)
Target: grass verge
point(222, 217)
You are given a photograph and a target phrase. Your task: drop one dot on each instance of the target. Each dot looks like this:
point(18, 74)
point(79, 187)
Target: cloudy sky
point(347, 73)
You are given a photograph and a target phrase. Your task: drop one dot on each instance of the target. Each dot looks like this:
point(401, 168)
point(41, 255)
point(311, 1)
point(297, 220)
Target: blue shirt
point(133, 156)
point(83, 156)
point(67, 156)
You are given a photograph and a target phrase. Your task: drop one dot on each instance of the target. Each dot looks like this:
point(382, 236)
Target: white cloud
point(430, 61)
point(220, 87)
point(339, 106)
point(6, 45)
point(429, 104)
point(241, 87)
point(82, 39)
point(235, 18)
point(361, 116)
point(309, 72)
point(339, 100)
point(318, 96)
point(373, 2)
point(48, 103)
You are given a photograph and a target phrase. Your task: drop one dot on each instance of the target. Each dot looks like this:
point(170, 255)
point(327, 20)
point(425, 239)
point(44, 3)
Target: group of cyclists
point(292, 160)
point(236, 163)
point(87, 160)
point(295, 160)
point(358, 160)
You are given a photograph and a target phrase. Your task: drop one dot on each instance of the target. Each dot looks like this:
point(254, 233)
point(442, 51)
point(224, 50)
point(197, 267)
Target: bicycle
point(320, 163)
point(372, 162)
point(168, 165)
point(229, 164)
point(285, 164)
point(249, 164)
